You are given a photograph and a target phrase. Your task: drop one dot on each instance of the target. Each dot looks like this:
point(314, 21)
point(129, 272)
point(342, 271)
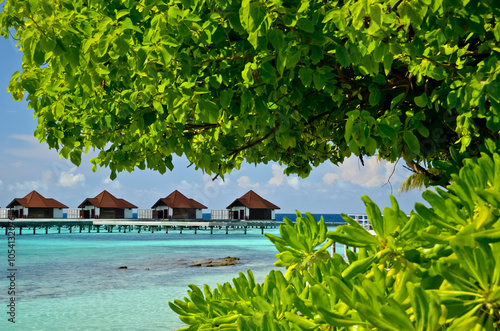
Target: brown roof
point(106, 200)
point(36, 200)
point(253, 201)
point(178, 200)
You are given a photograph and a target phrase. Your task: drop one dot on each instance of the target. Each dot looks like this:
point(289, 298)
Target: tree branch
point(234, 153)
point(418, 169)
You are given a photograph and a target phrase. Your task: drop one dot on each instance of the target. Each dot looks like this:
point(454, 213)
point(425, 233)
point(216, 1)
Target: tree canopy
point(223, 81)
point(301, 83)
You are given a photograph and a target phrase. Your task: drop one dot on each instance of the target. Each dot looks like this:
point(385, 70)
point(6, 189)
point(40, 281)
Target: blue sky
point(26, 165)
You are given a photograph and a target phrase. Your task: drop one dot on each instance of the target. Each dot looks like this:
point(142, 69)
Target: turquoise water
point(71, 281)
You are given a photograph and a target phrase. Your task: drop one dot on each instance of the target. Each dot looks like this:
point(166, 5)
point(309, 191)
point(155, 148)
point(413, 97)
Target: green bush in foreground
point(439, 269)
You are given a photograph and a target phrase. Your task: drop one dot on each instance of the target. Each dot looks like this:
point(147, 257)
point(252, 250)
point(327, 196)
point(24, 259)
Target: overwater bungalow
point(177, 206)
point(252, 206)
point(34, 205)
point(105, 205)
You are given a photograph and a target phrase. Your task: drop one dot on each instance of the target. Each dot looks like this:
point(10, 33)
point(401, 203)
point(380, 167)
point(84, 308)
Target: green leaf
point(305, 74)
point(375, 97)
point(342, 56)
point(412, 142)
point(376, 14)
point(121, 45)
point(301, 322)
point(209, 111)
point(359, 267)
point(316, 54)
point(340, 320)
point(225, 97)
point(388, 59)
point(305, 25)
point(395, 101)
point(276, 37)
point(293, 57)
point(421, 100)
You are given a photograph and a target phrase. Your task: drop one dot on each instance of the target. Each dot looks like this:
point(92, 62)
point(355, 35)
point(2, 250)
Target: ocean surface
point(71, 281)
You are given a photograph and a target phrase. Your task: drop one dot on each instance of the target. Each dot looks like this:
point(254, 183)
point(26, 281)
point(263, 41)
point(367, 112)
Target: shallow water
point(71, 281)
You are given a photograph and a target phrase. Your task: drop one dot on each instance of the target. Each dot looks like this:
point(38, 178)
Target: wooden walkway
point(128, 225)
point(21, 226)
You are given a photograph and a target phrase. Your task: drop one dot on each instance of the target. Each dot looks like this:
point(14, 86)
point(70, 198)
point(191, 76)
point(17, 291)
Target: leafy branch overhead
point(298, 82)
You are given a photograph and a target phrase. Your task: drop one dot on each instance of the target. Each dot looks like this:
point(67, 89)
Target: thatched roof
point(36, 200)
point(178, 200)
point(106, 200)
point(252, 200)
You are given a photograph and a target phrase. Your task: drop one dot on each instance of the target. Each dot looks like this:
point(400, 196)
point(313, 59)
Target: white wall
point(129, 213)
point(58, 213)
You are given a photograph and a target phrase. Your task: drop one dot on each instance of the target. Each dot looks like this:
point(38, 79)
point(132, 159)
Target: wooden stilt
point(20, 230)
point(181, 229)
point(211, 230)
point(34, 230)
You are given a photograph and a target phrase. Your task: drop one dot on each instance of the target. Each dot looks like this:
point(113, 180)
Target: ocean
point(72, 281)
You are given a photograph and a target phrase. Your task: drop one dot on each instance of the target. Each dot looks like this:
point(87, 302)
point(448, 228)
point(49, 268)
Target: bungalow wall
point(184, 213)
point(41, 213)
point(260, 214)
point(199, 214)
point(112, 213)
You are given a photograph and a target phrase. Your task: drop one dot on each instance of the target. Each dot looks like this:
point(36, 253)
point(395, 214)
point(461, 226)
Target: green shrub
point(437, 269)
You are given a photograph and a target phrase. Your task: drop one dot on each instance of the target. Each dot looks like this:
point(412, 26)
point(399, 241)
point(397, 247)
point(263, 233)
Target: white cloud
point(279, 178)
point(25, 187)
point(208, 180)
point(372, 174)
point(69, 179)
point(293, 182)
point(245, 182)
point(34, 149)
point(47, 177)
point(329, 178)
point(113, 184)
point(278, 175)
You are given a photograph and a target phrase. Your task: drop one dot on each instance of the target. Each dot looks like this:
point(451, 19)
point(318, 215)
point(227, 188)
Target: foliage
point(222, 81)
point(438, 269)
